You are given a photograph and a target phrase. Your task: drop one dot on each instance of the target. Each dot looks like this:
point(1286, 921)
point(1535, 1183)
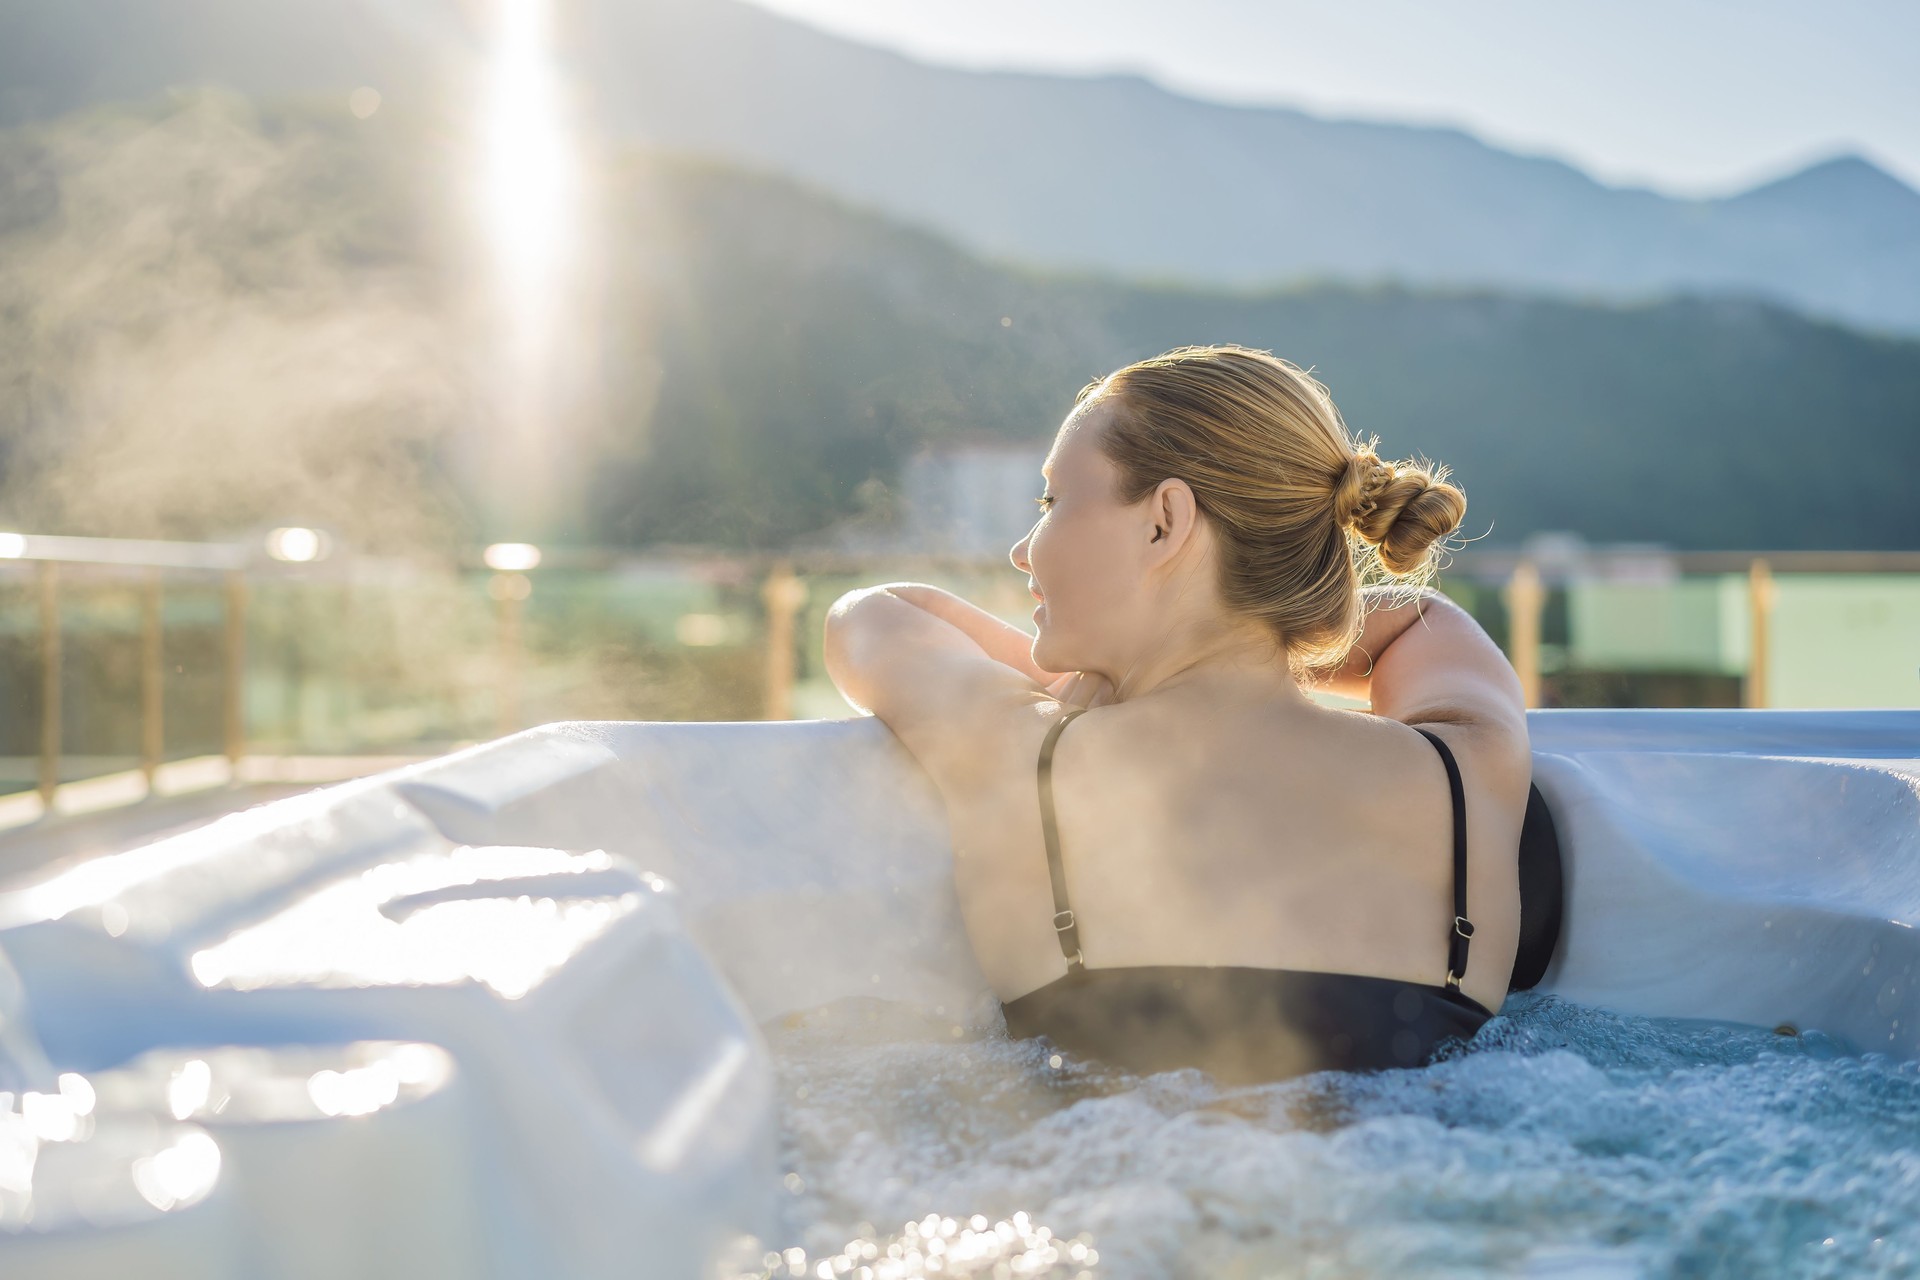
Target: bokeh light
point(512, 557)
point(296, 545)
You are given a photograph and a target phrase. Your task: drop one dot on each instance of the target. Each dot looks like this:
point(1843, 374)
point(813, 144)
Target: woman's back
point(1207, 525)
point(1197, 829)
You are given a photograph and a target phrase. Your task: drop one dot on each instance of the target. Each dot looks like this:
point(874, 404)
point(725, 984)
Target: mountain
point(1110, 174)
point(1116, 174)
point(216, 313)
point(58, 58)
point(1853, 196)
point(1695, 422)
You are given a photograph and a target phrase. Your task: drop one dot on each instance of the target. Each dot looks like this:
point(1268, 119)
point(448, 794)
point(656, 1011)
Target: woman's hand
point(1081, 689)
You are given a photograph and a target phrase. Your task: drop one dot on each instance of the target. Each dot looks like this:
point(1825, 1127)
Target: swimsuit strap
point(1462, 932)
point(1064, 925)
point(1068, 929)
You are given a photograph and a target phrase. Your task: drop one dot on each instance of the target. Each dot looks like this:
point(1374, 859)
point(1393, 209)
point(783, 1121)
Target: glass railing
point(141, 661)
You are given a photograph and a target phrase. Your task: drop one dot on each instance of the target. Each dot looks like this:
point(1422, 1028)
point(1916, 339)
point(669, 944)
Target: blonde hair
point(1305, 513)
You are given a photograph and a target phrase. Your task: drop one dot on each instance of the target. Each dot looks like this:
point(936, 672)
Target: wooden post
point(509, 591)
point(784, 595)
point(1760, 596)
point(234, 674)
point(50, 678)
point(1525, 601)
point(153, 733)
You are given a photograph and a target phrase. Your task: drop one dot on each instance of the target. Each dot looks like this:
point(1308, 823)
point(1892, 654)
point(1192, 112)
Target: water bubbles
point(1577, 1140)
point(188, 1088)
point(77, 1092)
point(49, 1117)
point(358, 1091)
point(180, 1174)
point(941, 1246)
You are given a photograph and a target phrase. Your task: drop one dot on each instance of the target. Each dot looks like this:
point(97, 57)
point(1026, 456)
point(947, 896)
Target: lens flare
point(530, 178)
point(531, 182)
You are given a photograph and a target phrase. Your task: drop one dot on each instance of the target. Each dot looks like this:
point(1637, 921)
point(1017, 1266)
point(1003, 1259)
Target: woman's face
point(1080, 557)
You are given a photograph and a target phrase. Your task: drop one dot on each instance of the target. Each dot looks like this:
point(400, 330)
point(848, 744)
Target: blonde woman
point(1212, 868)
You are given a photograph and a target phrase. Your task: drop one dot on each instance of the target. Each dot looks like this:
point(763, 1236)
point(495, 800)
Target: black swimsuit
point(1247, 1024)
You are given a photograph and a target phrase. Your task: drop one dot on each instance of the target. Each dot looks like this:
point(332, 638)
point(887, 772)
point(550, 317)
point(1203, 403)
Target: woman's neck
point(1221, 661)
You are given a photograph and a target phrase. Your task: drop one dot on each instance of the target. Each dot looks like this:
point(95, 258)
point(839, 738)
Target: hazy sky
point(1696, 97)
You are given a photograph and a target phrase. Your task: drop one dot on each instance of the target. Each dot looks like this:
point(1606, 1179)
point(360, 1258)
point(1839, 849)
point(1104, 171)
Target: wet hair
point(1305, 514)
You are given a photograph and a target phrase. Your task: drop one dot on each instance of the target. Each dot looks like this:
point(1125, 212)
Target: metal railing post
point(234, 671)
point(50, 679)
point(1753, 690)
point(1525, 601)
point(153, 733)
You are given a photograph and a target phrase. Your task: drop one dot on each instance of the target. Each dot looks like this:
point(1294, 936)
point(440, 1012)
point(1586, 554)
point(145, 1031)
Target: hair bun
point(1402, 509)
point(1303, 511)
point(1357, 495)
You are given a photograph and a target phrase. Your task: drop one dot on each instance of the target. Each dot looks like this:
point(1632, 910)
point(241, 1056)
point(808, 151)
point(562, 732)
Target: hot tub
point(694, 1000)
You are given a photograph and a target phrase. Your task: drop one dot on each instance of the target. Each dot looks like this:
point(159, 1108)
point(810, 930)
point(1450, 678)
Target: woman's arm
point(1421, 657)
point(1003, 642)
point(999, 640)
point(945, 677)
point(1386, 614)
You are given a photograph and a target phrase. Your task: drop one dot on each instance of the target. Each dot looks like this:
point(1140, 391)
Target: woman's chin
point(1047, 657)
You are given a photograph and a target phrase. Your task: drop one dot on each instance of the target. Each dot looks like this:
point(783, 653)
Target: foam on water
point(1563, 1142)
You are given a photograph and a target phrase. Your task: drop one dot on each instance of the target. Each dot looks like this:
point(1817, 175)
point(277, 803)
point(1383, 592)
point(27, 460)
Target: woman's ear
point(1174, 514)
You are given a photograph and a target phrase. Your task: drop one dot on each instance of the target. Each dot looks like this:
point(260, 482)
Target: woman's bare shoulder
point(953, 706)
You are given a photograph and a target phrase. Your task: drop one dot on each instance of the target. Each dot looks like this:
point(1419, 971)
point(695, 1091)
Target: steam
point(216, 320)
point(219, 317)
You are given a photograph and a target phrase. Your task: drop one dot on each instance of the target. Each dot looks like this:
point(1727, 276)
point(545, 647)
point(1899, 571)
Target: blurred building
point(970, 499)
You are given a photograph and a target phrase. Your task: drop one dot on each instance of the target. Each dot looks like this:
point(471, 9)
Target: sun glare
point(529, 186)
point(531, 207)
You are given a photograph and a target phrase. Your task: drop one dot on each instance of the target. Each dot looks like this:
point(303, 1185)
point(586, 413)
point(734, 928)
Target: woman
point(1213, 869)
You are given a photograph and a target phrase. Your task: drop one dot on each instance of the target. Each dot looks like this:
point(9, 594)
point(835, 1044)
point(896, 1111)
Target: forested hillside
point(214, 313)
point(1108, 173)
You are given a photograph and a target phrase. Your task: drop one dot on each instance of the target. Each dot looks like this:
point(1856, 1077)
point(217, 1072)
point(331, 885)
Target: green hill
point(1107, 173)
point(214, 314)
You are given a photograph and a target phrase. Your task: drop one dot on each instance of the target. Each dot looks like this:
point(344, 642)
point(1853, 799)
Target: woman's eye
point(1044, 501)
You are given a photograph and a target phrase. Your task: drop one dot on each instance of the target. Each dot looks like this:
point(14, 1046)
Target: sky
point(1690, 97)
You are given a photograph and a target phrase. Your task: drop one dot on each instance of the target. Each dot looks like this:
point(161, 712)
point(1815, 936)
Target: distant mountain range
point(1111, 174)
point(215, 313)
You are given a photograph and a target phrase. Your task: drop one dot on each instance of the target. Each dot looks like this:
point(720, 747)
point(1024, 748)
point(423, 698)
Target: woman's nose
point(1019, 554)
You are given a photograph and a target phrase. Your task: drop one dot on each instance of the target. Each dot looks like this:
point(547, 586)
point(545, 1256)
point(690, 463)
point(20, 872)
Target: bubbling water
point(1563, 1141)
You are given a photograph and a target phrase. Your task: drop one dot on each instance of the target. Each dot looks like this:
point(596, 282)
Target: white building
point(968, 499)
